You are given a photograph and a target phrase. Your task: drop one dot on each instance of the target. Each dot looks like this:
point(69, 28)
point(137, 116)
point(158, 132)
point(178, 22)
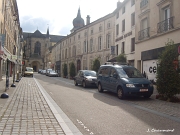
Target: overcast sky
point(59, 14)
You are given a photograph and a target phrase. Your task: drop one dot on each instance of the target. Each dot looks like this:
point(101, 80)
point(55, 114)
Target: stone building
point(38, 49)
point(125, 29)
point(10, 37)
point(88, 42)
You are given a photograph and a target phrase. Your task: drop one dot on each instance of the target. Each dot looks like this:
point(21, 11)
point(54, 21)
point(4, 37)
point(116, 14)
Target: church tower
point(78, 22)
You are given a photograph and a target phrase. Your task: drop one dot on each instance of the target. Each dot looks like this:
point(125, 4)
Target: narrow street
point(104, 114)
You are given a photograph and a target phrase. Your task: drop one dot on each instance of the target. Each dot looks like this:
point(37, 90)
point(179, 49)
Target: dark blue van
point(123, 80)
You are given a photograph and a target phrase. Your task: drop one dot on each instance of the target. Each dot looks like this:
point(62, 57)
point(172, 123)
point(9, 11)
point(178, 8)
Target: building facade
point(38, 49)
point(88, 42)
point(156, 23)
point(10, 39)
point(125, 29)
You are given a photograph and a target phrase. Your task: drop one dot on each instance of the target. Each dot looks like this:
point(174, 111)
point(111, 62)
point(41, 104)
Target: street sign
point(179, 49)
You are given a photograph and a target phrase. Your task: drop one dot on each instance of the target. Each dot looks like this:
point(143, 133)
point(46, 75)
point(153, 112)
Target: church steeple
point(78, 22)
point(47, 35)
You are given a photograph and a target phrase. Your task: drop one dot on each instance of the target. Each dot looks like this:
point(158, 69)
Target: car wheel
point(75, 83)
point(84, 84)
point(100, 88)
point(147, 96)
point(120, 93)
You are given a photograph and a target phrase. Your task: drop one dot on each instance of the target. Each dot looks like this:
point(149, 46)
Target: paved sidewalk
point(27, 112)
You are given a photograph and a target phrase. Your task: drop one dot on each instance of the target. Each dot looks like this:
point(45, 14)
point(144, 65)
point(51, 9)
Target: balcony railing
point(165, 25)
point(143, 34)
point(143, 3)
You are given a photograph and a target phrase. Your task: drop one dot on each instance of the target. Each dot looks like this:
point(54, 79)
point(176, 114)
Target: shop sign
point(14, 57)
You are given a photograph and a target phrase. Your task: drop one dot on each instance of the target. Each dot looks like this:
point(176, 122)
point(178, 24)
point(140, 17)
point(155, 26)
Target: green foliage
point(96, 64)
point(65, 70)
point(121, 58)
point(168, 79)
point(72, 69)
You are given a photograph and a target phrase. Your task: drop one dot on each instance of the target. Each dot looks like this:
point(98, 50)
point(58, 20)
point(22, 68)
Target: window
point(100, 28)
point(91, 31)
point(132, 44)
point(122, 47)
point(74, 38)
point(132, 2)
point(104, 71)
point(66, 54)
point(117, 29)
point(37, 48)
point(85, 33)
point(74, 50)
point(91, 44)
point(143, 3)
point(117, 15)
point(79, 36)
point(84, 46)
point(70, 40)
point(123, 25)
point(123, 10)
point(108, 37)
point(132, 19)
point(116, 49)
point(144, 24)
point(99, 42)
point(70, 52)
point(108, 25)
point(113, 72)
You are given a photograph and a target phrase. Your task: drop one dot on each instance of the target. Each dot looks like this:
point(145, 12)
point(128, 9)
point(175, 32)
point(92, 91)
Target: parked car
point(47, 70)
point(39, 70)
point(43, 72)
point(28, 72)
point(85, 78)
point(52, 73)
point(123, 80)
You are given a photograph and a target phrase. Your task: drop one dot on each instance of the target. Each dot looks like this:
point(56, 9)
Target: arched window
point(37, 48)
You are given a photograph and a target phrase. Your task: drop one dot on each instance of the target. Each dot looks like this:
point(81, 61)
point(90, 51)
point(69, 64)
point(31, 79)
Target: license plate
point(143, 90)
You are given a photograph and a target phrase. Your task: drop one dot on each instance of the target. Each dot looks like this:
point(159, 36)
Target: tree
point(96, 64)
point(65, 70)
point(121, 58)
point(168, 79)
point(72, 69)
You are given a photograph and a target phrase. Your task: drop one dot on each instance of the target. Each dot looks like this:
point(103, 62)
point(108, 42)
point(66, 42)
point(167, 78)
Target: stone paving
point(27, 112)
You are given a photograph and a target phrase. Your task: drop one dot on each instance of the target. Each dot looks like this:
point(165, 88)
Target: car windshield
point(90, 73)
point(52, 71)
point(29, 69)
point(129, 72)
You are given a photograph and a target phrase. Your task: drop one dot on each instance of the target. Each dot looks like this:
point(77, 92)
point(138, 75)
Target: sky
point(58, 15)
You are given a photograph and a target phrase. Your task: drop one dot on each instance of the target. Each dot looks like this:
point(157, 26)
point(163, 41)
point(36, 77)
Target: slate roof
point(38, 34)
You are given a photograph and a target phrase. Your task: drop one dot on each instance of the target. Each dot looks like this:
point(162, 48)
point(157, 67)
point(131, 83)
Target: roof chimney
point(118, 4)
point(87, 20)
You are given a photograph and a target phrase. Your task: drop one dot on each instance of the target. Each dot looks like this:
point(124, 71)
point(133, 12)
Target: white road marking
point(87, 129)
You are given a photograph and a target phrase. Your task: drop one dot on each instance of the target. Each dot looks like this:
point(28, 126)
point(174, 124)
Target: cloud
point(30, 24)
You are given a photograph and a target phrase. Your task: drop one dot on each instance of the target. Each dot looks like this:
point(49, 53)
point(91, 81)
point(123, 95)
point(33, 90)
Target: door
point(34, 68)
point(112, 80)
point(166, 19)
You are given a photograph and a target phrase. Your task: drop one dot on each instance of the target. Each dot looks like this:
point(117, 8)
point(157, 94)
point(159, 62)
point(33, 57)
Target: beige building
point(125, 29)
point(10, 37)
point(156, 22)
point(88, 42)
